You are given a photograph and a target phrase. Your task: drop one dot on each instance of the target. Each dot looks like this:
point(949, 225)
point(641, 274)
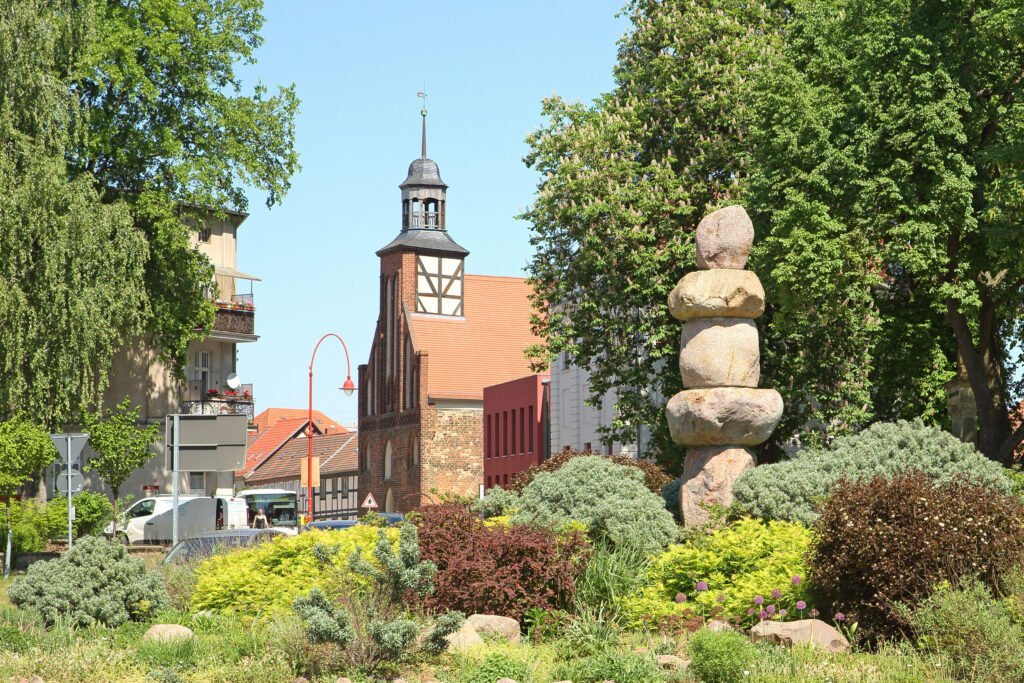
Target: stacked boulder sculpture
point(721, 412)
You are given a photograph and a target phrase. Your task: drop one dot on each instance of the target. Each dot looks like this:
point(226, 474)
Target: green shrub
point(13, 639)
point(497, 502)
point(670, 494)
point(791, 490)
point(719, 656)
point(28, 527)
point(266, 578)
point(972, 631)
point(654, 475)
point(610, 575)
point(96, 582)
point(885, 541)
point(92, 513)
point(610, 666)
point(747, 558)
point(493, 667)
point(610, 499)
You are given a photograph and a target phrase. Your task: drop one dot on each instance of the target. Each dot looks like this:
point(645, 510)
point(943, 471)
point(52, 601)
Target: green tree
point(169, 127)
point(121, 444)
point(71, 266)
point(886, 185)
point(25, 449)
point(624, 184)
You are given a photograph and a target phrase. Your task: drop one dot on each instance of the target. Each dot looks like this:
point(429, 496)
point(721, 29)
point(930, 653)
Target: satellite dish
point(233, 382)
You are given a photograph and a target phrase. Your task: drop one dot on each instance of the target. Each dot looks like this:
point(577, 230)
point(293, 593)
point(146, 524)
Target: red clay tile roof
point(269, 441)
point(272, 416)
point(338, 454)
point(484, 348)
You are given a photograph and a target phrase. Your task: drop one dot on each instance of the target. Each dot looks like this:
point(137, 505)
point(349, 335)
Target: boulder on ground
point(465, 638)
point(494, 625)
point(166, 632)
point(672, 662)
point(723, 416)
point(724, 238)
point(814, 632)
point(717, 293)
point(708, 476)
point(720, 352)
point(718, 626)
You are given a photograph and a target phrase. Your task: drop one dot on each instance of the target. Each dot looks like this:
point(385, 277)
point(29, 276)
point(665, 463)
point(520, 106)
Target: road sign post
point(69, 446)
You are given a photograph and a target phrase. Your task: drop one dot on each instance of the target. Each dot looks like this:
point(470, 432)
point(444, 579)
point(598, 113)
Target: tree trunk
point(113, 536)
point(7, 551)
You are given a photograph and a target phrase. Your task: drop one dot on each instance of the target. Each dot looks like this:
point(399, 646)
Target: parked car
point(149, 520)
point(392, 518)
point(204, 545)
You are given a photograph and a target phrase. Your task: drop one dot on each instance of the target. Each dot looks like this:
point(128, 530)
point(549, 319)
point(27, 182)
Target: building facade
point(441, 337)
point(515, 428)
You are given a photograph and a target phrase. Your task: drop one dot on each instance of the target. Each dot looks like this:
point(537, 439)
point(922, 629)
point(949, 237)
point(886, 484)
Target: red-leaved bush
point(504, 570)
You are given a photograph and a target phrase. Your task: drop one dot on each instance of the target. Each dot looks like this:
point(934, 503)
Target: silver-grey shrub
point(97, 582)
point(609, 499)
point(791, 490)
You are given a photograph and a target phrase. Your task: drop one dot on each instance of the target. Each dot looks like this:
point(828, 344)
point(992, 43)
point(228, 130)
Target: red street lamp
point(348, 387)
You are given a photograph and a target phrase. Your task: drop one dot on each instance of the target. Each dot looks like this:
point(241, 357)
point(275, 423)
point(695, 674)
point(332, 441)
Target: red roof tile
point(269, 441)
point(338, 454)
point(272, 416)
point(483, 348)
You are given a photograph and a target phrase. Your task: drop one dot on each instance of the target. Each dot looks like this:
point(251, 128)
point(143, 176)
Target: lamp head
point(348, 387)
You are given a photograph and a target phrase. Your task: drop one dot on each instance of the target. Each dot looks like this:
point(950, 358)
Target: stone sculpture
point(721, 412)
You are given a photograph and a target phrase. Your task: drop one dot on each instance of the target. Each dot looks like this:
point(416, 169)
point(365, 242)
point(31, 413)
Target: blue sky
point(357, 67)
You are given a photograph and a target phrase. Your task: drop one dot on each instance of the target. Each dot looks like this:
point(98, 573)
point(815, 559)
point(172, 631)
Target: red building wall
point(513, 428)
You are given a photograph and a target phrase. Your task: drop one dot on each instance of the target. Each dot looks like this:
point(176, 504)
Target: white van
point(150, 520)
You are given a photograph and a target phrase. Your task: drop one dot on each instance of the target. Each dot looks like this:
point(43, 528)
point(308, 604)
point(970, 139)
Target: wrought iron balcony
point(222, 404)
point(235, 317)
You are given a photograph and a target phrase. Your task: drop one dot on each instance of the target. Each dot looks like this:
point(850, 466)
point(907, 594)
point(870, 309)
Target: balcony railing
point(220, 404)
point(235, 317)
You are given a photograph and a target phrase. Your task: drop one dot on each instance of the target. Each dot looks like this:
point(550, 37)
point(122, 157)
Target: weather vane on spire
point(423, 113)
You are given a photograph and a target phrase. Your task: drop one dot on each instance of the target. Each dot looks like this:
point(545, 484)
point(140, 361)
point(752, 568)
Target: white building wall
point(575, 424)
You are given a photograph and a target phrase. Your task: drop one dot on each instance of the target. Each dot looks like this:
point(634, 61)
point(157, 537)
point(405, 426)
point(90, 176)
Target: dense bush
point(96, 582)
point(609, 499)
point(791, 490)
point(972, 631)
point(266, 578)
point(497, 569)
point(654, 476)
point(28, 527)
point(370, 621)
point(884, 541)
point(746, 559)
point(610, 666)
point(719, 656)
point(92, 513)
point(497, 502)
point(495, 666)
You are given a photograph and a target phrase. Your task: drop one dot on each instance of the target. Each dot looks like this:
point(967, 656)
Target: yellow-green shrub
point(748, 558)
point(266, 578)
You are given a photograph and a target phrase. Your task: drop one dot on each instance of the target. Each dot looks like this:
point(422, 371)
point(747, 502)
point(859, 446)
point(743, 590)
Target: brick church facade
point(441, 337)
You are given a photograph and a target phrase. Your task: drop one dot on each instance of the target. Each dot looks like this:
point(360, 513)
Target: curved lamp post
point(348, 387)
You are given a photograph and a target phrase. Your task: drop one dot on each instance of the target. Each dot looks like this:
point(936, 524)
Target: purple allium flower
point(800, 604)
point(680, 597)
point(776, 594)
point(782, 612)
point(797, 580)
point(702, 585)
point(763, 614)
point(750, 611)
point(770, 609)
point(840, 616)
point(813, 613)
point(758, 600)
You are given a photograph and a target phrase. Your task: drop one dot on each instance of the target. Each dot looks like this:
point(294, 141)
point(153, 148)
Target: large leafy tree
point(887, 174)
point(71, 265)
point(625, 182)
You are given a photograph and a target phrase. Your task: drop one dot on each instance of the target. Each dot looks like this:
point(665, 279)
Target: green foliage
point(750, 557)
point(495, 666)
point(970, 628)
point(792, 490)
point(654, 475)
point(497, 502)
point(610, 499)
point(719, 656)
point(96, 582)
point(670, 494)
point(92, 512)
point(325, 621)
point(266, 578)
point(121, 443)
point(623, 183)
point(610, 575)
point(444, 625)
point(29, 529)
point(25, 449)
point(610, 666)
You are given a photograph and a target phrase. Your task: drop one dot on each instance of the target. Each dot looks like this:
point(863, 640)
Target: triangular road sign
point(369, 502)
point(78, 441)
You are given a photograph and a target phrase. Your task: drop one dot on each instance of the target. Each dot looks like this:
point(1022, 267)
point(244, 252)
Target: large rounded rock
point(812, 632)
point(717, 293)
point(723, 416)
point(466, 638)
point(720, 352)
point(166, 632)
point(497, 626)
point(724, 238)
point(708, 476)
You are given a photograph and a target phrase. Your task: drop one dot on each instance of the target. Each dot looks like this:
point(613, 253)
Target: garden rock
point(163, 633)
point(34, 679)
point(505, 680)
point(812, 632)
point(720, 352)
point(465, 638)
point(672, 662)
point(722, 416)
point(494, 625)
point(708, 476)
point(724, 238)
point(717, 293)
point(718, 626)
point(343, 679)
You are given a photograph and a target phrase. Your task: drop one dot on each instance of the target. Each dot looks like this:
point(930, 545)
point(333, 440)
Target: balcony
point(225, 403)
point(235, 320)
